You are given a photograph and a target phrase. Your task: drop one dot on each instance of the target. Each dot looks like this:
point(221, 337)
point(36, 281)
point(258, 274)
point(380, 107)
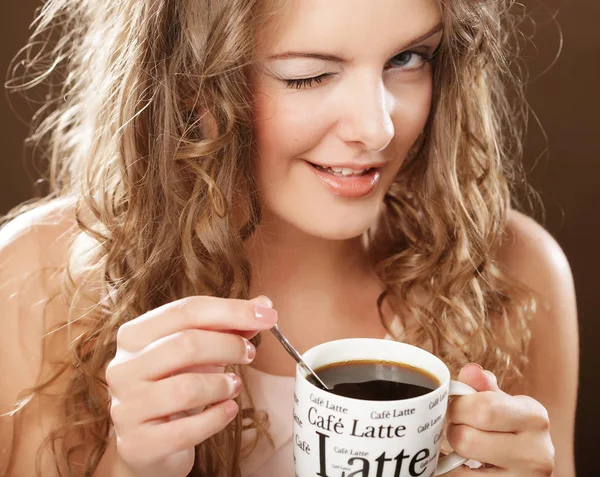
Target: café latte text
point(382, 466)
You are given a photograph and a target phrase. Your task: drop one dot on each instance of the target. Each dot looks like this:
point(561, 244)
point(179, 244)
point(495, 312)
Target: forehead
point(340, 25)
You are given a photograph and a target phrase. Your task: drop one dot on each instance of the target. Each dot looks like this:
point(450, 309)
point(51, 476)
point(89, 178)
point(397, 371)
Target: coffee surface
point(375, 380)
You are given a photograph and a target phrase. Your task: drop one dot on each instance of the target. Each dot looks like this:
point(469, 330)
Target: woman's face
point(343, 90)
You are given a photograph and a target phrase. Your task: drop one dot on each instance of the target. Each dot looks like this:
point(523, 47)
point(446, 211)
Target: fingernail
point(266, 315)
point(251, 350)
point(491, 375)
point(478, 365)
point(237, 384)
point(263, 301)
point(231, 409)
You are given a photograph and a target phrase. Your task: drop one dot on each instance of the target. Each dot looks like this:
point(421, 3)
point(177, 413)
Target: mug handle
point(453, 460)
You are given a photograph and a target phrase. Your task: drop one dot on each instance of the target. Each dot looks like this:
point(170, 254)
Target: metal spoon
point(294, 354)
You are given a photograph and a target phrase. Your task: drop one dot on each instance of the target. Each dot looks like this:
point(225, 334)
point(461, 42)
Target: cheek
point(411, 114)
point(285, 129)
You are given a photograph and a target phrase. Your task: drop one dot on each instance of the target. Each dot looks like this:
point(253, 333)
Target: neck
point(310, 278)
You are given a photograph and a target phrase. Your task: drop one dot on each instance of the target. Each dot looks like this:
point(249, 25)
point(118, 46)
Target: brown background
point(567, 103)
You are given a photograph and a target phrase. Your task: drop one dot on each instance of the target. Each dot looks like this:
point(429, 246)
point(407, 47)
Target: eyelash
point(303, 83)
point(306, 82)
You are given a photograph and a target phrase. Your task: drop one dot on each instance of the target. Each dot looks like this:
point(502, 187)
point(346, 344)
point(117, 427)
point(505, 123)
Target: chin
point(332, 223)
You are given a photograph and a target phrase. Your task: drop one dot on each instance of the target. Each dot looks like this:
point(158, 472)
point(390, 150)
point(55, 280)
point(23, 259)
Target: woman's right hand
point(168, 367)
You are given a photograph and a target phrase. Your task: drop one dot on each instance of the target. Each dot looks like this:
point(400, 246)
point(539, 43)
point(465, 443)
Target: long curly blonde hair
point(151, 130)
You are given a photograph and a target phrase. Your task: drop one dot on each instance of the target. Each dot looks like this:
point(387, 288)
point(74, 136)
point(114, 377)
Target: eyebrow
point(325, 57)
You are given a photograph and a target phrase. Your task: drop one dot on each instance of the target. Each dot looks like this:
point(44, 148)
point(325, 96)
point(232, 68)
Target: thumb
point(478, 378)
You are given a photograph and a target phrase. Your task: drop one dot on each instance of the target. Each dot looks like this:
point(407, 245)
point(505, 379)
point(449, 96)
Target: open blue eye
point(409, 59)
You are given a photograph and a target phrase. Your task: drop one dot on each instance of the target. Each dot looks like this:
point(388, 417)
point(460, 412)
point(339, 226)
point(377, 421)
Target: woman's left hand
point(509, 433)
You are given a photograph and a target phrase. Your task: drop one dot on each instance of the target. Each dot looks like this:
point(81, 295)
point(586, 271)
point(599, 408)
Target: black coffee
point(375, 380)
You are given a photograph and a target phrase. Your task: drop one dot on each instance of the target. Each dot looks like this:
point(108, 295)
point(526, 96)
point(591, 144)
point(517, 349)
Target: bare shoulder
point(33, 249)
point(40, 235)
point(532, 256)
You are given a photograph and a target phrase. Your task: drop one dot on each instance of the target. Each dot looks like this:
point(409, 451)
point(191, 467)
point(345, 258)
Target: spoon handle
point(294, 354)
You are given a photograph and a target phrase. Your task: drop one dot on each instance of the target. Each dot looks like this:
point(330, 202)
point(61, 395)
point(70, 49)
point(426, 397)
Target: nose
point(366, 119)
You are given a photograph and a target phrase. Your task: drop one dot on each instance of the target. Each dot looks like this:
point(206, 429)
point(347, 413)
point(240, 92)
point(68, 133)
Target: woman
point(350, 160)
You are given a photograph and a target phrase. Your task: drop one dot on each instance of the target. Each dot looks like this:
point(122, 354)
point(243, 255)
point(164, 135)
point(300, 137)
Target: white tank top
point(275, 394)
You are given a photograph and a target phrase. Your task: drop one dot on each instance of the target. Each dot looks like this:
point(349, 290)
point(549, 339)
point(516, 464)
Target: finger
point(499, 412)
point(197, 312)
point(155, 443)
point(193, 393)
point(192, 430)
point(516, 452)
point(176, 353)
point(204, 369)
point(478, 378)
point(261, 301)
point(192, 347)
point(174, 395)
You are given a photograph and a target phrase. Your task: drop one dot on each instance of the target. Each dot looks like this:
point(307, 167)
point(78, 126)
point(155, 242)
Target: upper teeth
point(346, 171)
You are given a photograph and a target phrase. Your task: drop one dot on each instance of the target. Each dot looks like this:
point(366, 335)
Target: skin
point(308, 258)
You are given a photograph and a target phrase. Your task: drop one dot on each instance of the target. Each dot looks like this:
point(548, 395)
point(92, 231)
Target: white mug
point(336, 436)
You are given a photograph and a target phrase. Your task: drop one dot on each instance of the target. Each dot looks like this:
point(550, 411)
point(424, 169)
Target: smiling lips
point(346, 181)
